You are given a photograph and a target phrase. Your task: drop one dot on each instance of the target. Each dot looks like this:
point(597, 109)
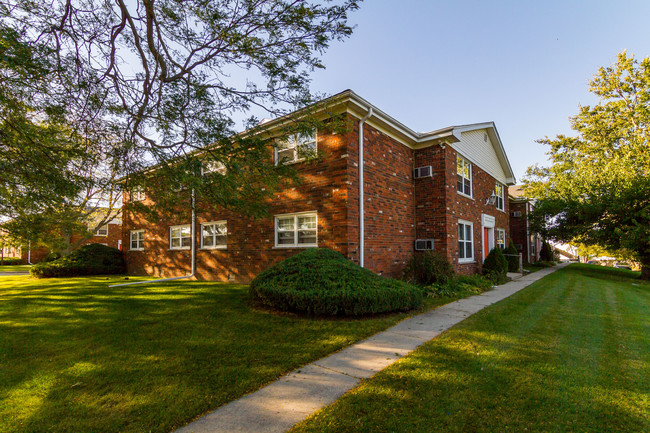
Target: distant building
point(526, 241)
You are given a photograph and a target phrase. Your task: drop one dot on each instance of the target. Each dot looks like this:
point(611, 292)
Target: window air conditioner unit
point(423, 244)
point(516, 214)
point(422, 172)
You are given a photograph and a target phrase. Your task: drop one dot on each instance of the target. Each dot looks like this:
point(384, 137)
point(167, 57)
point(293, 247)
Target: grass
point(571, 353)
point(15, 268)
point(78, 356)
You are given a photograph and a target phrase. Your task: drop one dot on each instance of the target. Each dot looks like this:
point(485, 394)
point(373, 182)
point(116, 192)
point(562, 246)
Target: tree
point(597, 189)
point(161, 81)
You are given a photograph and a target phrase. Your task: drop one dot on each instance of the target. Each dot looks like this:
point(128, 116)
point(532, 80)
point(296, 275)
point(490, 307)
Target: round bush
point(319, 281)
point(427, 268)
point(495, 266)
point(91, 259)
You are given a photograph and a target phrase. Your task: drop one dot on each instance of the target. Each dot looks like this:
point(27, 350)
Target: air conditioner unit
point(423, 244)
point(516, 214)
point(425, 171)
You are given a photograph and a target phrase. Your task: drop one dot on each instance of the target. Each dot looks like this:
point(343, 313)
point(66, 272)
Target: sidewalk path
point(13, 273)
point(277, 407)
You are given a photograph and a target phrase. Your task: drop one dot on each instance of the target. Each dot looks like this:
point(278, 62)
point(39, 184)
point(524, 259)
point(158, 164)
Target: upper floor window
point(180, 237)
point(465, 241)
point(296, 230)
point(295, 148)
point(214, 235)
point(463, 176)
point(501, 239)
point(138, 194)
point(499, 191)
point(137, 240)
point(213, 167)
point(102, 231)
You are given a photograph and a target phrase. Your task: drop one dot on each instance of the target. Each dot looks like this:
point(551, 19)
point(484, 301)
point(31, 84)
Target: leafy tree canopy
point(597, 189)
point(122, 86)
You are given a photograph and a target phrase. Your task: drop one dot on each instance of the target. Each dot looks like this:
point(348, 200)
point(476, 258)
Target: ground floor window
point(214, 235)
point(137, 240)
point(180, 237)
point(501, 239)
point(465, 241)
point(296, 230)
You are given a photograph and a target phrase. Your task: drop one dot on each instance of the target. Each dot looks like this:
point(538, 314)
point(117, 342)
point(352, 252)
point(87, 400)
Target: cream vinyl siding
point(481, 153)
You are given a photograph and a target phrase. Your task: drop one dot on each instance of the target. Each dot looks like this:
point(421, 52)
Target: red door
point(486, 243)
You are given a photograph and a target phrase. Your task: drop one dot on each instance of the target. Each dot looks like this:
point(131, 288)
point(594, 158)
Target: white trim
point(181, 227)
point(488, 221)
point(215, 247)
point(295, 216)
point(131, 233)
point(496, 239)
point(97, 232)
point(465, 259)
point(471, 177)
point(502, 196)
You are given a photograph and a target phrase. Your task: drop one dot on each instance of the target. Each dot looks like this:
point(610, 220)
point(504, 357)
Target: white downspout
point(362, 219)
point(192, 255)
point(29, 253)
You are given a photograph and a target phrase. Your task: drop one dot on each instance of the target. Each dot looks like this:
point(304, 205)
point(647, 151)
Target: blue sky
point(524, 65)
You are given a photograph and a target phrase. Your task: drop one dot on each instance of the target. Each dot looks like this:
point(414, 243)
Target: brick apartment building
point(109, 234)
point(445, 190)
point(526, 241)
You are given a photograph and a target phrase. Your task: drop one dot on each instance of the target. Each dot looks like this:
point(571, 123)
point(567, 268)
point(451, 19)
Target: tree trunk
point(645, 267)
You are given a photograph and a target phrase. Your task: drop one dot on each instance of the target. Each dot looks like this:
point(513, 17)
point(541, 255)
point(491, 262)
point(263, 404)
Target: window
point(498, 191)
point(213, 167)
point(214, 235)
point(137, 240)
point(463, 176)
point(138, 194)
point(180, 237)
point(102, 231)
point(295, 148)
point(501, 239)
point(297, 230)
point(423, 244)
point(465, 241)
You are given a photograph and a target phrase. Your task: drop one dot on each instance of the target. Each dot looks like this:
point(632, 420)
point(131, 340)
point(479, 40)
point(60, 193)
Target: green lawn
point(15, 268)
point(76, 356)
point(571, 353)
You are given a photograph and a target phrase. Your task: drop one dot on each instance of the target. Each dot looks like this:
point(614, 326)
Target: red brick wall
point(518, 228)
point(389, 201)
point(251, 241)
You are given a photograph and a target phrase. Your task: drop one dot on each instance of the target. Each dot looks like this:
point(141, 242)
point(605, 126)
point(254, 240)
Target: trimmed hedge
point(319, 281)
point(495, 266)
point(91, 259)
point(10, 261)
point(459, 286)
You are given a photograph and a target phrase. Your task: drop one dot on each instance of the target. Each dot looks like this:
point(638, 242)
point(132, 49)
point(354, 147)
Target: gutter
point(29, 253)
point(192, 257)
point(362, 219)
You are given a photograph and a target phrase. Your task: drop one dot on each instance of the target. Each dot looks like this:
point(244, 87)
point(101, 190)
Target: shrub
point(91, 259)
point(543, 264)
point(427, 268)
point(12, 261)
point(495, 266)
point(512, 258)
point(52, 257)
point(546, 253)
point(459, 286)
point(319, 281)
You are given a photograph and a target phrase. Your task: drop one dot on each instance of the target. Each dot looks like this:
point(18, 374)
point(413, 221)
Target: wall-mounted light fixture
point(491, 200)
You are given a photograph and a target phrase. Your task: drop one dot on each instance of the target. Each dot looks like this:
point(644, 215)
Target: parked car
point(623, 266)
point(593, 262)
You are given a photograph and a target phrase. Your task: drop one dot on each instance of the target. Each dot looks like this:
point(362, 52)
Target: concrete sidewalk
point(277, 407)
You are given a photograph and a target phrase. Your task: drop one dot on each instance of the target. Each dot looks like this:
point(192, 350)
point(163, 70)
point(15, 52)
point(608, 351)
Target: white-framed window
point(296, 230)
point(102, 231)
point(137, 240)
point(499, 191)
point(180, 237)
point(465, 241)
point(501, 239)
point(214, 235)
point(213, 167)
point(295, 148)
point(463, 176)
point(138, 194)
